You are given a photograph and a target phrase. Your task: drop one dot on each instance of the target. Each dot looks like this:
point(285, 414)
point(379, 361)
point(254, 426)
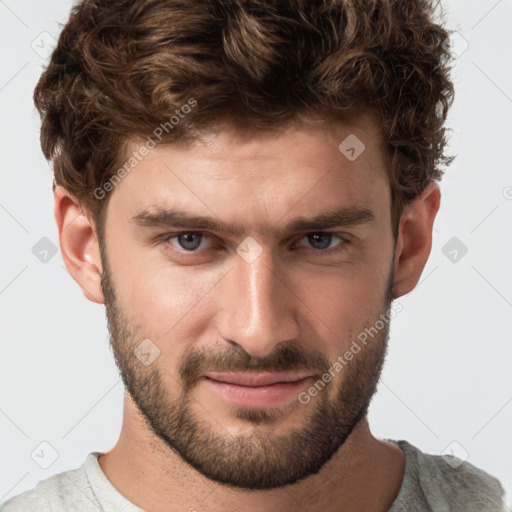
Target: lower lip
point(257, 396)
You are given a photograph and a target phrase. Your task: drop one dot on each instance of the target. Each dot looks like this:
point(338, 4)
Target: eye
point(187, 241)
point(196, 243)
point(321, 241)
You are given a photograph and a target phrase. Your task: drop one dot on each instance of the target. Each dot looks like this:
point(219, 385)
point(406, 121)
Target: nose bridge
point(259, 310)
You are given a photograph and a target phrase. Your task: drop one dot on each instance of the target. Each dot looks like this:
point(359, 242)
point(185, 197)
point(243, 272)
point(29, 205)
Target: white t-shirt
point(431, 483)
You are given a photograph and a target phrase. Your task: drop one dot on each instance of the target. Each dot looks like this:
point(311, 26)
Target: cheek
point(162, 299)
point(347, 301)
point(343, 303)
point(356, 288)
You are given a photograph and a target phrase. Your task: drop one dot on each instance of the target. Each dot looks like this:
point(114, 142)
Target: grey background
point(448, 376)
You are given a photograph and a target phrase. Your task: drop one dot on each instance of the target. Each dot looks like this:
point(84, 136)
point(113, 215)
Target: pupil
point(322, 239)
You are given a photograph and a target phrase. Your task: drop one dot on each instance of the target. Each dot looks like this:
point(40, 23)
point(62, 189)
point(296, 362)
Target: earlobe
point(414, 240)
point(78, 244)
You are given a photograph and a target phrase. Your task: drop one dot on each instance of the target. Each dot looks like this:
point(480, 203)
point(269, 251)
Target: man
point(247, 187)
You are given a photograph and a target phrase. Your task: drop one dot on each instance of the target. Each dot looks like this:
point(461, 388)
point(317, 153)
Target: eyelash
point(318, 252)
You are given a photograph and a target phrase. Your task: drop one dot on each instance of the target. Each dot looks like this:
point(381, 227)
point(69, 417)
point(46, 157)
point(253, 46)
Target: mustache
point(285, 357)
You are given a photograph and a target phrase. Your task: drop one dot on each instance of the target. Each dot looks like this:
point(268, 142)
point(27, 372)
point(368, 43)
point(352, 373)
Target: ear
point(414, 240)
point(78, 244)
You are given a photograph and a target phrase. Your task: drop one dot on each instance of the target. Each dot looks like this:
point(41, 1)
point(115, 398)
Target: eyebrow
point(165, 218)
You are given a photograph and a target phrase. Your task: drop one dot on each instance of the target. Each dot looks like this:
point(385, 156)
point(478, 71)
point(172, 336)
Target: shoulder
point(67, 491)
point(448, 483)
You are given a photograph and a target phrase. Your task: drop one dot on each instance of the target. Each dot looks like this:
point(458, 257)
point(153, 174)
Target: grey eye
point(189, 241)
point(320, 240)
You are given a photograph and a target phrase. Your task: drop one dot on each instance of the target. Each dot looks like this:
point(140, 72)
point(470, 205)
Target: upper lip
point(256, 379)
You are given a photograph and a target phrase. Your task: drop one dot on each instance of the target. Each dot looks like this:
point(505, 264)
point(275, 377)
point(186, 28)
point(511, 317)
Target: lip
point(256, 390)
point(256, 379)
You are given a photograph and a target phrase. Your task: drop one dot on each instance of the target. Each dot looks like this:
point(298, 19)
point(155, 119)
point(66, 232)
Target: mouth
point(257, 390)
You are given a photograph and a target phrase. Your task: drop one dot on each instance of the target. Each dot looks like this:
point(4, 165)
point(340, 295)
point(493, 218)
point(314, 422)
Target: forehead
point(260, 177)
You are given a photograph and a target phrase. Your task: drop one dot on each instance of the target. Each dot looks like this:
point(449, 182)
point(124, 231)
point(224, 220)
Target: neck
point(365, 474)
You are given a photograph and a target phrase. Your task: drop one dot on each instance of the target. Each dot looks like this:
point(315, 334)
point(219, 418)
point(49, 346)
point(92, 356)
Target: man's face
point(207, 310)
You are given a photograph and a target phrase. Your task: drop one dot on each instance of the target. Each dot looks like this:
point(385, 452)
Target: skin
point(215, 301)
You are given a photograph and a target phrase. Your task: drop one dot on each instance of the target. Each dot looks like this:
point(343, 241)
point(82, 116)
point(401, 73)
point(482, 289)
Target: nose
point(258, 308)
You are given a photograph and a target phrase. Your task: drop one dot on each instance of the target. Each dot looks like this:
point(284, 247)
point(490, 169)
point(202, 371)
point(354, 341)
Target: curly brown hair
point(124, 67)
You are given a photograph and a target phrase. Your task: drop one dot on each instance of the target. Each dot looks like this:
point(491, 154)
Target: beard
point(260, 460)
